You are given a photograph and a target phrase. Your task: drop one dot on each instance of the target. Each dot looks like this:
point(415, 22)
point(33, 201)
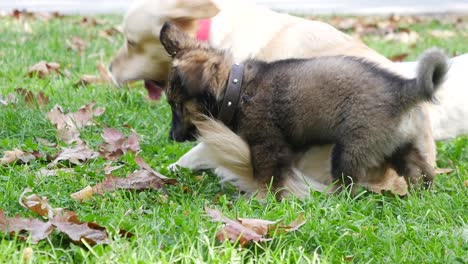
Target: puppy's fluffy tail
point(431, 72)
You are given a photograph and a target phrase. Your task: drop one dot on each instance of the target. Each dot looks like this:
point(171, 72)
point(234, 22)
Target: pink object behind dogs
point(203, 33)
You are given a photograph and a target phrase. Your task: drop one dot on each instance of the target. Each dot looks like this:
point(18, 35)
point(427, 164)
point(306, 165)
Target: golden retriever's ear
point(175, 40)
point(193, 9)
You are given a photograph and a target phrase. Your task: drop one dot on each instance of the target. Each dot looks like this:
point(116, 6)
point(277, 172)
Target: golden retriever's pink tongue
point(154, 90)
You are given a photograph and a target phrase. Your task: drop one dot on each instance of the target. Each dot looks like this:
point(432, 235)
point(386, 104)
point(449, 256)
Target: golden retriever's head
point(142, 56)
point(197, 80)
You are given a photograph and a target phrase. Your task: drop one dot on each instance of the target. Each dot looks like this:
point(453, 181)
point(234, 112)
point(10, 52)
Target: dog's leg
point(195, 159)
point(271, 160)
point(414, 167)
point(346, 168)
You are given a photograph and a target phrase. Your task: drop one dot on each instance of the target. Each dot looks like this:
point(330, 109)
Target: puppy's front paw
point(174, 167)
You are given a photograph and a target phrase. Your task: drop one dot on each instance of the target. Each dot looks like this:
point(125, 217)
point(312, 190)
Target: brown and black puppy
point(289, 105)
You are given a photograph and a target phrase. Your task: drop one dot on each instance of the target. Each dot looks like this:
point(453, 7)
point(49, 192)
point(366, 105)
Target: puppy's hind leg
point(409, 162)
point(346, 169)
point(270, 162)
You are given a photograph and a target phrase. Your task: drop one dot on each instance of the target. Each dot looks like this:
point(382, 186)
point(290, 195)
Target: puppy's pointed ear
point(174, 40)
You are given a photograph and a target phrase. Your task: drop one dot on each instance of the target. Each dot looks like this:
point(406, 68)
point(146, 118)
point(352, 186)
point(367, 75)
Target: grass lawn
point(170, 225)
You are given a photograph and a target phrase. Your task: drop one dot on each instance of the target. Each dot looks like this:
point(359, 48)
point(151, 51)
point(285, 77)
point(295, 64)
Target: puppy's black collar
point(232, 94)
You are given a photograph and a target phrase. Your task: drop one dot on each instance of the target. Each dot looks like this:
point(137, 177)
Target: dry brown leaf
point(78, 231)
point(43, 68)
point(293, 226)
point(75, 154)
point(116, 144)
point(39, 230)
point(76, 43)
point(110, 32)
point(44, 172)
point(109, 168)
point(22, 14)
point(69, 135)
point(145, 166)
point(443, 170)
point(87, 79)
point(84, 194)
point(59, 219)
point(90, 21)
point(17, 155)
point(39, 205)
point(260, 226)
point(139, 180)
point(68, 124)
point(245, 230)
point(103, 77)
point(399, 57)
point(233, 230)
point(8, 99)
point(81, 118)
point(143, 179)
point(466, 183)
point(32, 99)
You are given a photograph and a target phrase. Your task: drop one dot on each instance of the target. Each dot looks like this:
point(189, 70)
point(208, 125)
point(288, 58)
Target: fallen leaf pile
point(394, 25)
point(245, 230)
point(115, 144)
point(77, 151)
point(396, 28)
point(58, 219)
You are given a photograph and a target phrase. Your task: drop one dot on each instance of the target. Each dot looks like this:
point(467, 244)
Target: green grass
point(171, 226)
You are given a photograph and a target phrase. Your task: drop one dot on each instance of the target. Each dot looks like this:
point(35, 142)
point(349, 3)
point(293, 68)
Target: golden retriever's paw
point(174, 167)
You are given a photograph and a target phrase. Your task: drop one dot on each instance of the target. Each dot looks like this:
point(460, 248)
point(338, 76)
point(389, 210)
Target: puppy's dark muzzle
point(181, 137)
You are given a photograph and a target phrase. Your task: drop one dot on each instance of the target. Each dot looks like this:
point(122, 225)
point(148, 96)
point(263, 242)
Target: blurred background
point(296, 6)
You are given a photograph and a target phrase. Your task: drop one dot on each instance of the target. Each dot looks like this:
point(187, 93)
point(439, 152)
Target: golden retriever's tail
point(229, 152)
point(232, 155)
